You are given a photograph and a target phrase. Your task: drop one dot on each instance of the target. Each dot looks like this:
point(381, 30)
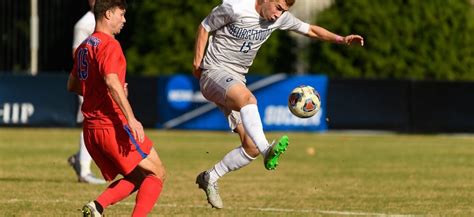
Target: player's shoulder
point(286, 17)
point(100, 40)
point(107, 42)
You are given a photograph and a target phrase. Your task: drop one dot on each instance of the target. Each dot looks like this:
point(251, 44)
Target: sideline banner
point(181, 106)
point(36, 101)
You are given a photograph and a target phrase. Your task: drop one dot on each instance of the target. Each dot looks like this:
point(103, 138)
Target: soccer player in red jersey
point(113, 136)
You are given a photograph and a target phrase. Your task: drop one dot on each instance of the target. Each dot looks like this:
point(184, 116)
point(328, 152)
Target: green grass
point(353, 173)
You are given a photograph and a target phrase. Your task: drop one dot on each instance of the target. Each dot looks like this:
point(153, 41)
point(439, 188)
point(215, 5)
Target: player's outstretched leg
point(211, 189)
point(74, 162)
point(90, 210)
point(273, 155)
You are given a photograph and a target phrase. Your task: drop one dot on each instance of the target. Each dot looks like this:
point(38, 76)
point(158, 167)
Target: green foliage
point(405, 39)
point(162, 36)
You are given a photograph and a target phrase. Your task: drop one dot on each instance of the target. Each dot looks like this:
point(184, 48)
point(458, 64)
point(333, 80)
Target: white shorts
point(214, 86)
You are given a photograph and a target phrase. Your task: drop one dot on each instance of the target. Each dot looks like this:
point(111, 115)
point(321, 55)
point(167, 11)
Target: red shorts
point(114, 150)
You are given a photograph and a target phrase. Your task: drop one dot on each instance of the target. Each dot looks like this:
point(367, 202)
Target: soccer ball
point(304, 101)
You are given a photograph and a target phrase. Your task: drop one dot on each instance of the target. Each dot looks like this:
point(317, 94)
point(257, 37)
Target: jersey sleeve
point(219, 17)
point(109, 59)
point(290, 22)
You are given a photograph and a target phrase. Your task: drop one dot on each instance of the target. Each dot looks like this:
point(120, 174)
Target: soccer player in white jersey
point(238, 28)
point(81, 161)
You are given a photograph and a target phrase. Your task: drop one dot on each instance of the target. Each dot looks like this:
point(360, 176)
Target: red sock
point(116, 192)
point(147, 196)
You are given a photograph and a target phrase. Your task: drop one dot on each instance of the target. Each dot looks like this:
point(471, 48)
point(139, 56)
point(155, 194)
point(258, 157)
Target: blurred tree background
point(161, 38)
point(405, 39)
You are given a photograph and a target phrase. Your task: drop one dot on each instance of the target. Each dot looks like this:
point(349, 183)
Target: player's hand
point(137, 130)
point(354, 39)
point(197, 73)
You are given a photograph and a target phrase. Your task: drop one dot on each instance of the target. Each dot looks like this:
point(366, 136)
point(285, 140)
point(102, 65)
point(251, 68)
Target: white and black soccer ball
point(304, 101)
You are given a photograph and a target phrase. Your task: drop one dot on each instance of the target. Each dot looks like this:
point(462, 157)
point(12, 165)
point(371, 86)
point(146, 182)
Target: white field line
point(327, 212)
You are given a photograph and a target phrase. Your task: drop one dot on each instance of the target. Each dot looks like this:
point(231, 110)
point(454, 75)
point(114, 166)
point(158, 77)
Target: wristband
point(339, 39)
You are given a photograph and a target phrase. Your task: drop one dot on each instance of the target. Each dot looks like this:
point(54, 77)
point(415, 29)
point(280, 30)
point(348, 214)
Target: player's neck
point(105, 31)
point(102, 27)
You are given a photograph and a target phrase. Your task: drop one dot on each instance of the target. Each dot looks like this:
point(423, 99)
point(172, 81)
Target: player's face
point(117, 20)
point(273, 9)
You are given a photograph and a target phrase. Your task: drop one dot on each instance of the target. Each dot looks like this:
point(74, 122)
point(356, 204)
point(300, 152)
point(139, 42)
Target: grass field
point(348, 174)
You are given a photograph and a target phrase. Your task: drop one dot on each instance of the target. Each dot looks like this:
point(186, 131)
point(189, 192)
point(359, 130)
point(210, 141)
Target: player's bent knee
point(249, 98)
point(252, 100)
point(136, 177)
point(160, 172)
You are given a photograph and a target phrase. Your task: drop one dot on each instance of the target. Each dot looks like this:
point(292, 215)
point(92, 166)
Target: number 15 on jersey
point(246, 46)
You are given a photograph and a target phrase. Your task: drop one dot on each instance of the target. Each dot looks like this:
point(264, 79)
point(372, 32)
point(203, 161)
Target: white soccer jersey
point(83, 29)
point(237, 32)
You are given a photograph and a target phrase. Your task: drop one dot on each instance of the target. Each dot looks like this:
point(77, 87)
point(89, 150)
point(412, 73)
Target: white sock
point(85, 158)
point(233, 160)
point(253, 127)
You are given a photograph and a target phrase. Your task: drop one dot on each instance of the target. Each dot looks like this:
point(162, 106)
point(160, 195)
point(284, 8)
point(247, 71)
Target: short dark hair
point(101, 6)
point(290, 2)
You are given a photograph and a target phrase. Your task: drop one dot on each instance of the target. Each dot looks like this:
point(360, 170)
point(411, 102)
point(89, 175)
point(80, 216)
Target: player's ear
point(108, 14)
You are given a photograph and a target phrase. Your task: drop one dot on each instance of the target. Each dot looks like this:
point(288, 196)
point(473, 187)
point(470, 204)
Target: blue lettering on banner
point(36, 101)
point(279, 115)
point(179, 92)
point(272, 103)
point(16, 113)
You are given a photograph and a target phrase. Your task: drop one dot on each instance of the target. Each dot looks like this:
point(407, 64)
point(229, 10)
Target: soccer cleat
point(74, 163)
point(271, 159)
point(212, 190)
point(91, 179)
point(89, 210)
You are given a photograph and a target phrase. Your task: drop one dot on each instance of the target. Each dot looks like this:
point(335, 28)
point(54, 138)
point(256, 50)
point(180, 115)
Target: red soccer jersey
point(99, 55)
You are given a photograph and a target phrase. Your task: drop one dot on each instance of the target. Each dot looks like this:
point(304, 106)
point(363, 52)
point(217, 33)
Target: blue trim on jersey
point(135, 143)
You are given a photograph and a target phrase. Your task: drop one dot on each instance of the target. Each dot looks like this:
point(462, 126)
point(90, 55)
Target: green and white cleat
point(89, 210)
point(212, 190)
point(273, 155)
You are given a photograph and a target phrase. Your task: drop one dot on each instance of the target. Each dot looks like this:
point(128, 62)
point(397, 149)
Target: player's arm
point(219, 17)
point(117, 91)
point(325, 35)
point(199, 48)
point(73, 85)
